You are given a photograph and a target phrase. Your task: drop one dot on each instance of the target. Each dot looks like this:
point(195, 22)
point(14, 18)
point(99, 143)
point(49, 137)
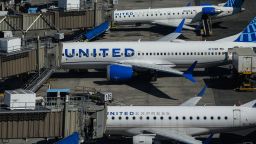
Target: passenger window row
point(184, 53)
point(161, 14)
point(170, 118)
point(172, 53)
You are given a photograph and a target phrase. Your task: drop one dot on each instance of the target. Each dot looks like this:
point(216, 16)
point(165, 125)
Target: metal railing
point(38, 79)
point(24, 106)
point(11, 49)
point(46, 103)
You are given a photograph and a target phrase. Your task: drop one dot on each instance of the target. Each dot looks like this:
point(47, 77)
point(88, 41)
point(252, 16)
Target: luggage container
point(3, 13)
point(244, 60)
point(6, 34)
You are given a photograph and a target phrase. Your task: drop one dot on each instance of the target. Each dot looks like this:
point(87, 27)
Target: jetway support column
point(66, 119)
point(206, 25)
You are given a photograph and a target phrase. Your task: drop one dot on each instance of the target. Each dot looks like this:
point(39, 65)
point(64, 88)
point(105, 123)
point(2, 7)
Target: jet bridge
point(54, 117)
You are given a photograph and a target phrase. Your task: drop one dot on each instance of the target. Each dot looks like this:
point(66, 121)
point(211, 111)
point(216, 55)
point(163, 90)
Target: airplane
point(173, 16)
point(180, 123)
point(123, 60)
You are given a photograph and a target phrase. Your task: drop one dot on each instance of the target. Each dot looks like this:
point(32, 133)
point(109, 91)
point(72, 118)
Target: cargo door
point(237, 117)
point(247, 64)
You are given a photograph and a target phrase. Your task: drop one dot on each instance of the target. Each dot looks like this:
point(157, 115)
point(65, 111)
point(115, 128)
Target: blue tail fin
point(249, 33)
point(234, 3)
point(208, 140)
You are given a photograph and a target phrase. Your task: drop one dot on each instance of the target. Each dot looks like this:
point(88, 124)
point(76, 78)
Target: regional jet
point(180, 123)
point(173, 16)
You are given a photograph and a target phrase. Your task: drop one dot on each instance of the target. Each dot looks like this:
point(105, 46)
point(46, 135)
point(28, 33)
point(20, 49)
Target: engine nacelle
point(210, 11)
point(119, 72)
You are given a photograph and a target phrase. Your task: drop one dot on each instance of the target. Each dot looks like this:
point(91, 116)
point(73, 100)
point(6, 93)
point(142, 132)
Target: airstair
point(94, 33)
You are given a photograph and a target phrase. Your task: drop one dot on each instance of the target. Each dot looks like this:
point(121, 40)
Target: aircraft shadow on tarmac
point(221, 78)
point(79, 75)
point(164, 30)
point(216, 78)
point(141, 85)
point(218, 25)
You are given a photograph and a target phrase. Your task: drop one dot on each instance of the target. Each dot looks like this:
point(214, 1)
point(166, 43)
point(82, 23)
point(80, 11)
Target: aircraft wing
point(174, 35)
point(172, 23)
point(188, 74)
point(175, 135)
point(194, 100)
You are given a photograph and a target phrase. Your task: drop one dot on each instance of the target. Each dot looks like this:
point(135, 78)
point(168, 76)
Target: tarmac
point(168, 89)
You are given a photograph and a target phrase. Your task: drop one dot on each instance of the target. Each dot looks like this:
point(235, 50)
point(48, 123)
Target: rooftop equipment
point(10, 44)
point(69, 4)
point(20, 99)
point(58, 92)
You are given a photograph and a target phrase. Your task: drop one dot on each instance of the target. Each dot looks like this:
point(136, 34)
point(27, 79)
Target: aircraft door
point(229, 54)
point(247, 64)
point(237, 117)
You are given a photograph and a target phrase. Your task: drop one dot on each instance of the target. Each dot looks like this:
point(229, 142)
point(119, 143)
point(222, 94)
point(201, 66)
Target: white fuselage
point(95, 55)
point(192, 14)
point(196, 120)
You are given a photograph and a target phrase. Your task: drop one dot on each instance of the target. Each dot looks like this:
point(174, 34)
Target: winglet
point(209, 139)
point(180, 26)
point(189, 4)
point(202, 92)
point(188, 74)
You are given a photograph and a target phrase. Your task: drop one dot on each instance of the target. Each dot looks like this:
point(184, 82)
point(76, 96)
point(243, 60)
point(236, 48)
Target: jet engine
point(210, 11)
point(117, 72)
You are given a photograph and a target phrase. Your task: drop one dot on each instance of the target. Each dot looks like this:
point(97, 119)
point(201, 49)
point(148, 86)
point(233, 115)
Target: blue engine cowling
point(210, 11)
point(119, 72)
